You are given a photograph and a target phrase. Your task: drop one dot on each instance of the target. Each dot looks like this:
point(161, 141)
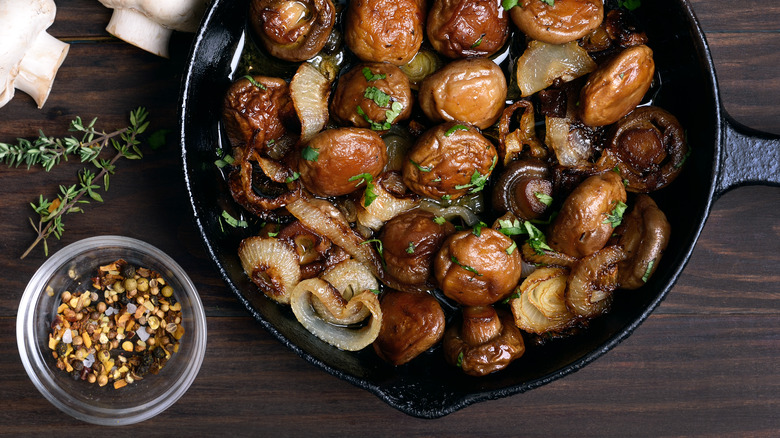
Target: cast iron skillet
point(725, 155)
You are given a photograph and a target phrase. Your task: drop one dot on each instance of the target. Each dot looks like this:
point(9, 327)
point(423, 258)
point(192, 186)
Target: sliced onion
point(541, 64)
point(325, 219)
point(271, 265)
point(340, 336)
point(453, 211)
point(541, 306)
point(572, 147)
point(310, 90)
point(384, 207)
point(349, 277)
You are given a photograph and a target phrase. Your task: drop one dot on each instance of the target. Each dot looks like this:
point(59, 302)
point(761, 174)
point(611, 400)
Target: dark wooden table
point(705, 362)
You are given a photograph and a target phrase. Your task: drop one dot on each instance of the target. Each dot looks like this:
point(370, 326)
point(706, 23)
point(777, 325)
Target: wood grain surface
point(704, 364)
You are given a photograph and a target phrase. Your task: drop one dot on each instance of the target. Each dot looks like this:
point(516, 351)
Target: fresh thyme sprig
point(50, 151)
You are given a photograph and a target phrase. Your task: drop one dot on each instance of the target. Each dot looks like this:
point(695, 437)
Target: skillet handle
point(749, 157)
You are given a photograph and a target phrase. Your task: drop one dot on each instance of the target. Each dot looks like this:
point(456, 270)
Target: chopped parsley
point(224, 161)
point(375, 291)
point(456, 128)
point(369, 194)
point(310, 154)
point(648, 271)
point(410, 248)
point(292, 178)
point(478, 42)
point(511, 297)
point(446, 197)
point(508, 4)
point(255, 83)
point(616, 217)
point(378, 96)
point(478, 181)
point(544, 198)
point(439, 220)
point(460, 360)
point(477, 229)
point(419, 167)
point(466, 267)
point(370, 76)
point(536, 239)
point(511, 248)
point(379, 247)
point(630, 4)
point(683, 160)
point(549, 2)
point(233, 222)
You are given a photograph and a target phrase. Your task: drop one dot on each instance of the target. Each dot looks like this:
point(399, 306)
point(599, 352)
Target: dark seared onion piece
point(522, 141)
point(520, 188)
point(293, 30)
point(643, 235)
point(465, 28)
point(648, 148)
point(412, 322)
point(315, 252)
point(260, 185)
point(592, 281)
point(257, 111)
point(486, 341)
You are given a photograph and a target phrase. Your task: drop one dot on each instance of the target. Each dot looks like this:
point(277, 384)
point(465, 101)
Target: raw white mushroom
point(148, 24)
point(29, 57)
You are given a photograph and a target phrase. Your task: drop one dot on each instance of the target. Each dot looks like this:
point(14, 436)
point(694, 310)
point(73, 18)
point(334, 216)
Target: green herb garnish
point(648, 271)
point(616, 217)
point(410, 248)
point(310, 154)
point(544, 198)
point(536, 239)
point(477, 228)
point(371, 77)
point(369, 194)
point(466, 267)
point(378, 96)
point(292, 178)
point(255, 83)
point(549, 2)
point(459, 364)
point(511, 248)
point(420, 168)
point(508, 4)
point(478, 180)
point(478, 42)
point(233, 222)
point(630, 4)
point(375, 126)
point(439, 220)
point(458, 127)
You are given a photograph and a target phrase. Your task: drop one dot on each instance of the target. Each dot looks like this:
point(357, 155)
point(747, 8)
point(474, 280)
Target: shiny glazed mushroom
point(557, 22)
point(293, 30)
point(466, 28)
point(485, 342)
point(381, 31)
point(477, 270)
point(412, 322)
point(524, 188)
point(470, 90)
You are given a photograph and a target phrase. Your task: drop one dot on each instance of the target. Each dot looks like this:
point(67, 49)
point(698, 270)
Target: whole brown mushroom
point(412, 322)
point(588, 215)
point(410, 241)
point(449, 161)
point(372, 95)
point(335, 160)
point(485, 342)
point(470, 90)
point(382, 31)
point(477, 270)
point(465, 28)
point(557, 22)
point(293, 30)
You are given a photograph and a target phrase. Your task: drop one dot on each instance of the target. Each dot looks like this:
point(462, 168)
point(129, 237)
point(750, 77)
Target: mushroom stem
point(39, 67)
point(139, 30)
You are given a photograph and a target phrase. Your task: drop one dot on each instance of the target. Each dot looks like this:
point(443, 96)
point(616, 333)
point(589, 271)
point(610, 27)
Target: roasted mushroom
point(648, 148)
point(410, 241)
point(485, 342)
point(643, 235)
point(337, 161)
point(412, 322)
point(524, 188)
point(257, 110)
point(465, 28)
point(477, 270)
point(617, 87)
point(372, 95)
point(557, 22)
point(592, 281)
point(469, 90)
point(382, 31)
point(449, 161)
point(588, 216)
point(292, 30)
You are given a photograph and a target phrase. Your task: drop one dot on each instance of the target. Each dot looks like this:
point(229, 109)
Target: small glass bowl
point(140, 400)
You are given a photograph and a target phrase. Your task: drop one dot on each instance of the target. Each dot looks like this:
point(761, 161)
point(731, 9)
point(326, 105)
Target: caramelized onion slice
point(340, 336)
point(542, 64)
point(349, 277)
point(541, 305)
point(592, 281)
point(271, 265)
point(386, 205)
point(310, 90)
